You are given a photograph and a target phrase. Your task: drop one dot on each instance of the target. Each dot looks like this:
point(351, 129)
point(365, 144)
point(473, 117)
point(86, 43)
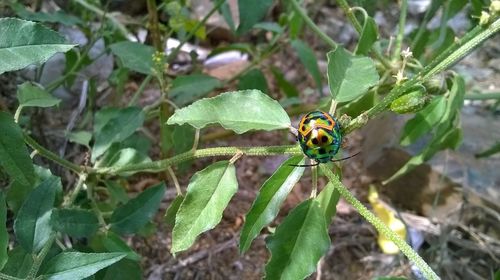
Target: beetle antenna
point(304, 165)
point(341, 159)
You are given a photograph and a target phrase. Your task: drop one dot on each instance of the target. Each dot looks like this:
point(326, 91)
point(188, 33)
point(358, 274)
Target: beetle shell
point(319, 136)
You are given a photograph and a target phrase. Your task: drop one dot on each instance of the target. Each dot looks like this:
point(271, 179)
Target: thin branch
point(379, 225)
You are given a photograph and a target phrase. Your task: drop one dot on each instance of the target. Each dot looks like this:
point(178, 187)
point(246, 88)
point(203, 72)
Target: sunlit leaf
point(207, 196)
point(267, 203)
point(349, 77)
point(76, 265)
point(23, 43)
point(260, 112)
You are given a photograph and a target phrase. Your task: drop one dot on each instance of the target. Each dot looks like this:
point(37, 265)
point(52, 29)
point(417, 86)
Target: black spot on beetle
point(315, 141)
point(324, 139)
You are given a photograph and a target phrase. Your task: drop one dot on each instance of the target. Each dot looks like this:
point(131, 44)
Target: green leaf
point(116, 127)
point(288, 88)
point(251, 12)
point(17, 193)
point(130, 218)
point(271, 195)
point(269, 26)
point(349, 76)
point(75, 222)
point(368, 37)
point(172, 210)
point(186, 89)
point(23, 43)
point(76, 265)
point(56, 17)
point(19, 263)
point(124, 270)
point(14, 156)
point(253, 79)
point(490, 151)
point(259, 112)
point(298, 243)
point(328, 199)
point(225, 11)
point(121, 158)
point(4, 235)
point(449, 138)
point(308, 59)
point(208, 194)
point(113, 243)
point(116, 191)
point(30, 95)
point(80, 137)
point(134, 56)
point(424, 121)
point(32, 225)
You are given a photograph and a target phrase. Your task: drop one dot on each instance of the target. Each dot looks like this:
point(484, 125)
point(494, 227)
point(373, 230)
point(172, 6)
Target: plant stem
point(379, 225)
point(79, 184)
point(140, 90)
point(483, 96)
point(312, 25)
point(161, 165)
point(355, 23)
point(401, 30)
point(17, 114)
point(8, 277)
point(154, 26)
point(52, 156)
point(449, 57)
point(40, 257)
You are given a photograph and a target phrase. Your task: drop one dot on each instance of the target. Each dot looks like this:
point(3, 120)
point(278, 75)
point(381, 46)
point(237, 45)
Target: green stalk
point(483, 96)
point(401, 30)
point(52, 156)
point(379, 225)
point(312, 25)
point(37, 262)
point(355, 23)
point(8, 277)
point(449, 57)
point(140, 90)
point(161, 165)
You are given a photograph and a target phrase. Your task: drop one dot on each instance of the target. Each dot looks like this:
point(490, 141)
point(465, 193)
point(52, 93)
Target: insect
point(320, 137)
